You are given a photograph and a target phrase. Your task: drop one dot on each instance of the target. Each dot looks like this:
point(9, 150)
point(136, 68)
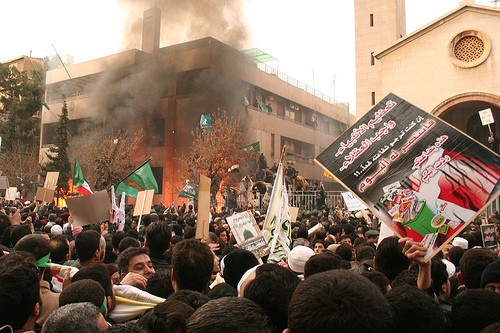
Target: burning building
point(165, 90)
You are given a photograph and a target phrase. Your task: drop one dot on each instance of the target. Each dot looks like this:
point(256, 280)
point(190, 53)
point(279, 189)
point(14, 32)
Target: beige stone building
point(165, 90)
point(449, 67)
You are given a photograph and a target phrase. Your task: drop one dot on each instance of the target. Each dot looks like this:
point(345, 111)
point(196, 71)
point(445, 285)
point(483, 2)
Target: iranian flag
point(79, 181)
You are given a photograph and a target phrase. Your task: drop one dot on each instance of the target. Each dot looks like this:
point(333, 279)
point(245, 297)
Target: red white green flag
point(79, 181)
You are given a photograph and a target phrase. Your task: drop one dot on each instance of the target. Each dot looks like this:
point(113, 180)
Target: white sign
point(10, 194)
point(352, 202)
point(486, 117)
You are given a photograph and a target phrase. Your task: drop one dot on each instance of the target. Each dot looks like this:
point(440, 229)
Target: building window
point(158, 173)
point(156, 132)
point(49, 133)
point(469, 49)
point(373, 97)
point(371, 20)
point(372, 59)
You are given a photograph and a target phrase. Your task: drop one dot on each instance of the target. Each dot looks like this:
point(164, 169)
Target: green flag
point(253, 147)
point(140, 180)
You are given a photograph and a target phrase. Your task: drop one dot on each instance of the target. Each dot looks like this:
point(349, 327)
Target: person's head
point(364, 253)
point(126, 327)
point(379, 279)
point(229, 314)
point(158, 235)
point(18, 232)
point(338, 301)
point(168, 317)
point(389, 257)
point(319, 246)
point(127, 242)
point(84, 291)
point(321, 263)
point(19, 295)
point(221, 234)
point(472, 264)
point(455, 253)
point(77, 318)
point(194, 299)
point(191, 256)
point(440, 280)
point(272, 289)
point(474, 309)
point(136, 260)
point(59, 249)
point(345, 239)
point(89, 248)
point(371, 236)
point(160, 283)
point(236, 263)
point(100, 274)
point(116, 239)
point(35, 244)
point(414, 311)
point(344, 250)
point(298, 257)
point(490, 278)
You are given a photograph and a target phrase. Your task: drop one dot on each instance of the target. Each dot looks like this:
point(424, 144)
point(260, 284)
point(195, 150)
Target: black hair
point(272, 289)
point(321, 263)
point(414, 311)
point(338, 301)
point(87, 243)
point(475, 309)
point(190, 256)
point(158, 236)
point(229, 314)
point(389, 257)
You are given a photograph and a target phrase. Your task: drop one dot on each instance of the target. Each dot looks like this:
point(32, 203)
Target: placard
point(486, 117)
point(90, 209)
point(51, 180)
point(247, 233)
point(421, 176)
point(143, 202)
point(203, 218)
point(10, 193)
point(4, 182)
point(44, 194)
point(489, 236)
point(352, 202)
point(294, 212)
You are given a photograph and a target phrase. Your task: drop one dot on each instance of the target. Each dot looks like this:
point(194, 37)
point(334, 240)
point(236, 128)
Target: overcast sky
point(313, 40)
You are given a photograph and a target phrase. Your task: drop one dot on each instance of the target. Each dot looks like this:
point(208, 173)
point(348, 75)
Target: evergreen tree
point(57, 155)
point(20, 99)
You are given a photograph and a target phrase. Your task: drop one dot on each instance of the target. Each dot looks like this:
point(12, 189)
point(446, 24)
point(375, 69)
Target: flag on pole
point(277, 226)
point(140, 179)
point(189, 191)
point(79, 181)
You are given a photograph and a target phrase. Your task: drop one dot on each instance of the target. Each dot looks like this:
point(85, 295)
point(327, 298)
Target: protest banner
point(203, 208)
point(44, 194)
point(421, 176)
point(51, 180)
point(90, 209)
point(489, 236)
point(143, 205)
point(4, 185)
point(352, 202)
point(247, 233)
point(10, 193)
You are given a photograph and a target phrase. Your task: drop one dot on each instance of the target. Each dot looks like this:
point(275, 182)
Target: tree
point(20, 100)
point(105, 158)
point(214, 151)
point(58, 153)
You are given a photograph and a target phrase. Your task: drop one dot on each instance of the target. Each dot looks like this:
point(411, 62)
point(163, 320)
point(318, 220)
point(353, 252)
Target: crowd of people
point(56, 276)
